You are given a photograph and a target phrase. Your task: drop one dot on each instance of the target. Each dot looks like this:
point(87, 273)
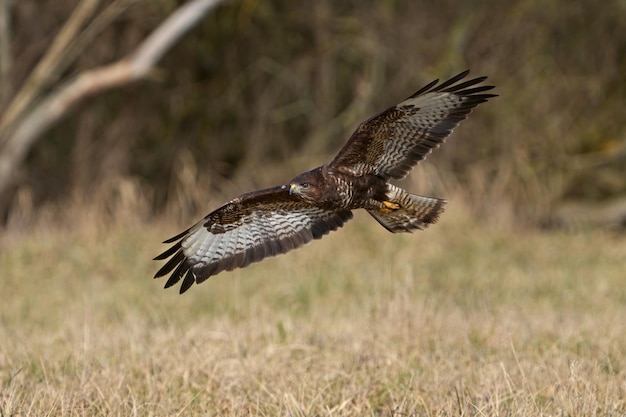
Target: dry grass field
point(460, 320)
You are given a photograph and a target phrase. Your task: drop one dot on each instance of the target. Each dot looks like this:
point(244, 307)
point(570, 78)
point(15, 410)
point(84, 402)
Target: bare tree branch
point(129, 69)
point(167, 34)
point(47, 67)
point(113, 10)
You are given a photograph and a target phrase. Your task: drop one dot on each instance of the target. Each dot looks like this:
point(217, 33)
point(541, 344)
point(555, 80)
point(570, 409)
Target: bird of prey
point(276, 220)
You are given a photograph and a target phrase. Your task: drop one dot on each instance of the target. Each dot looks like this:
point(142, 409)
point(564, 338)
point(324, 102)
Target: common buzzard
point(276, 220)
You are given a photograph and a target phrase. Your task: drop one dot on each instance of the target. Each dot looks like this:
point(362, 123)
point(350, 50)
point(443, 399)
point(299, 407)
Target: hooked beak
point(293, 189)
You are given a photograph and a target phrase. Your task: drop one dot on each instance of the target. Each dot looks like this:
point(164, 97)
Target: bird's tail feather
point(406, 212)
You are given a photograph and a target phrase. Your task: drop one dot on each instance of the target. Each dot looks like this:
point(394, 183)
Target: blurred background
point(262, 90)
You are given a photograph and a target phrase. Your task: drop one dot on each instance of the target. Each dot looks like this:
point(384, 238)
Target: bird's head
point(308, 185)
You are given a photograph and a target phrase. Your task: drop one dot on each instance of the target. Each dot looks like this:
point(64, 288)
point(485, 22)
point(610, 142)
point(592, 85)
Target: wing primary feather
point(480, 98)
point(168, 252)
point(475, 90)
point(424, 89)
point(177, 274)
point(178, 236)
point(452, 80)
point(458, 87)
point(187, 282)
point(171, 264)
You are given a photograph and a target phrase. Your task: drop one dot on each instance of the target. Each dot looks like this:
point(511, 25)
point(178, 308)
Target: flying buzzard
point(276, 220)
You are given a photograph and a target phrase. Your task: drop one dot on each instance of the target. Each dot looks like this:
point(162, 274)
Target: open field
point(459, 320)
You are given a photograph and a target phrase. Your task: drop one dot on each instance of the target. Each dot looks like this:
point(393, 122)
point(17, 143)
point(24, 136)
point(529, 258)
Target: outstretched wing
point(247, 229)
point(392, 142)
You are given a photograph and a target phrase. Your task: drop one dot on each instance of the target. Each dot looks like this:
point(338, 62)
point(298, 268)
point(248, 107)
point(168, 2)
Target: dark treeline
point(261, 90)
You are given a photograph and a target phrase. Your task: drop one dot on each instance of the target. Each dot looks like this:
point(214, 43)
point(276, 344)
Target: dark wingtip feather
point(177, 237)
point(169, 252)
point(178, 263)
point(453, 80)
point(187, 282)
point(479, 89)
point(177, 274)
point(424, 89)
point(171, 264)
point(450, 86)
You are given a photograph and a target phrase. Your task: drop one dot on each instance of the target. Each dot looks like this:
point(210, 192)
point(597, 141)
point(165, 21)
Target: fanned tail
point(406, 212)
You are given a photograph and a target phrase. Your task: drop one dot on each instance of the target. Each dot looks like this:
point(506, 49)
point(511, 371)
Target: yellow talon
point(389, 207)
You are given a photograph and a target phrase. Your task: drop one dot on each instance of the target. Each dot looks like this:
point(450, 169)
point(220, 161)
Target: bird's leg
point(388, 207)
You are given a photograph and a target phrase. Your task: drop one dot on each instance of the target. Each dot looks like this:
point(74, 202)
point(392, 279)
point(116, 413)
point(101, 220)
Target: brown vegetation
point(261, 90)
point(458, 320)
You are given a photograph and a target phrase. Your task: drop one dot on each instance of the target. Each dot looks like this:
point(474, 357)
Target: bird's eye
point(305, 185)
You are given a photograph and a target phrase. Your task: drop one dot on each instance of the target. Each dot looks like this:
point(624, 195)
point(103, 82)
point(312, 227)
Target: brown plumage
point(276, 220)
